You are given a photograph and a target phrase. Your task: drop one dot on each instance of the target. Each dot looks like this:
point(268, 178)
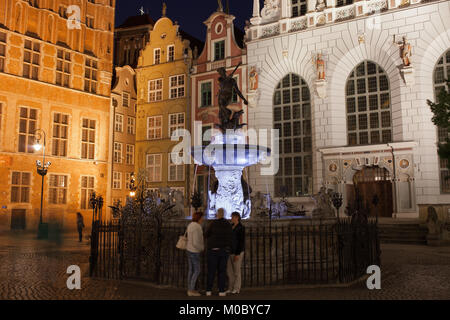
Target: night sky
point(190, 14)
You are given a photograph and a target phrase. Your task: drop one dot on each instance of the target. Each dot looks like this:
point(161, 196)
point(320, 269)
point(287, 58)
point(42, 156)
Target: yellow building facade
point(162, 105)
point(54, 76)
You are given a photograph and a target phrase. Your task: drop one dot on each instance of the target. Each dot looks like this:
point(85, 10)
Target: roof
point(135, 21)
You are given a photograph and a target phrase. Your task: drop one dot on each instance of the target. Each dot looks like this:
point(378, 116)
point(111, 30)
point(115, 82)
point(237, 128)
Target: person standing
point(194, 247)
point(237, 254)
point(80, 225)
point(219, 242)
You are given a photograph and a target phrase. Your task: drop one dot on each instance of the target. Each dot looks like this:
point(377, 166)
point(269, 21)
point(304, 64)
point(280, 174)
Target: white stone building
point(364, 120)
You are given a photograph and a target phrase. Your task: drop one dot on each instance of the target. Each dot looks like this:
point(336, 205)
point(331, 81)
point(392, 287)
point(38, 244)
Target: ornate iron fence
point(276, 255)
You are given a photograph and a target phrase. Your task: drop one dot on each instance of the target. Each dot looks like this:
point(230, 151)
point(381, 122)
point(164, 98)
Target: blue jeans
point(194, 269)
point(217, 263)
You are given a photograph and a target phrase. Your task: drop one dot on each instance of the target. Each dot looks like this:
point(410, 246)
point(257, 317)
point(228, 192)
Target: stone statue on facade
point(320, 5)
point(320, 67)
point(253, 78)
point(226, 86)
point(271, 9)
point(405, 52)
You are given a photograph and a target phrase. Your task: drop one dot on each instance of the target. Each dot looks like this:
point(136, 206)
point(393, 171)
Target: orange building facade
point(55, 75)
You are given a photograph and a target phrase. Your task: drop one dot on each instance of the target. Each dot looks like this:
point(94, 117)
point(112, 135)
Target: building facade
point(123, 128)
point(55, 75)
point(130, 38)
point(223, 48)
point(162, 105)
point(346, 84)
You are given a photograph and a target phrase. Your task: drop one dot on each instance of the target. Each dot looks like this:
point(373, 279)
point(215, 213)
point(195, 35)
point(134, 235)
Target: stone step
point(405, 233)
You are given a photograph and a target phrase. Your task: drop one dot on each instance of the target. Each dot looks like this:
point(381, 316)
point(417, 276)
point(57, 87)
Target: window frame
point(20, 186)
point(222, 50)
point(129, 154)
point(118, 124)
point(117, 180)
point(118, 152)
point(59, 138)
point(88, 143)
point(169, 47)
point(152, 168)
point(200, 89)
point(155, 60)
point(88, 190)
point(155, 128)
point(58, 188)
point(177, 87)
point(157, 91)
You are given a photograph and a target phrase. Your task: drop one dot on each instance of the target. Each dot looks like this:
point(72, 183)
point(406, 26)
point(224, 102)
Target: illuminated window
point(155, 89)
point(117, 152)
point(154, 167)
point(2, 51)
point(60, 134)
point(292, 119)
point(176, 172)
point(63, 68)
point(154, 128)
point(298, 8)
point(130, 154)
point(117, 180)
point(118, 123)
point(31, 59)
point(90, 76)
point(27, 127)
point(157, 56)
point(170, 53)
point(88, 139)
point(176, 121)
point(176, 86)
point(57, 192)
point(20, 187)
point(441, 73)
point(368, 105)
point(87, 189)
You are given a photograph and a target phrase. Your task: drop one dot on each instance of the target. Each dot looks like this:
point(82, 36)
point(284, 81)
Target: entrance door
point(371, 181)
point(18, 219)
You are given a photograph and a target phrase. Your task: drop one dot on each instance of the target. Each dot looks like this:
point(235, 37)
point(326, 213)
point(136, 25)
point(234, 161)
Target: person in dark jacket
point(237, 254)
point(80, 225)
point(219, 243)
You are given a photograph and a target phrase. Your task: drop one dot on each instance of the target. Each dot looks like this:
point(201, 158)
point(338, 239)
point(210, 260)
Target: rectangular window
point(157, 56)
point(176, 86)
point(63, 68)
point(176, 172)
point(154, 128)
point(2, 51)
point(87, 189)
point(176, 121)
point(118, 123)
point(57, 193)
point(125, 99)
point(206, 94)
point(154, 167)
point(155, 89)
point(27, 126)
point(170, 53)
point(341, 3)
point(1, 114)
point(20, 187)
point(298, 8)
point(219, 50)
point(60, 134)
point(117, 152)
point(88, 139)
point(130, 154)
point(131, 125)
point(31, 59)
point(117, 180)
point(127, 180)
point(90, 75)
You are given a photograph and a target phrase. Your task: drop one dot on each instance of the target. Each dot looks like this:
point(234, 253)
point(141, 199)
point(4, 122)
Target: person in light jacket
point(237, 254)
point(194, 247)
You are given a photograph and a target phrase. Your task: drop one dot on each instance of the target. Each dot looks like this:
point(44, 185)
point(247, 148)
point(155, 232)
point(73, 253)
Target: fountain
point(228, 153)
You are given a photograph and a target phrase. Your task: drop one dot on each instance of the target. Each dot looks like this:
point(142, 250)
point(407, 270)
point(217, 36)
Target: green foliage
point(441, 118)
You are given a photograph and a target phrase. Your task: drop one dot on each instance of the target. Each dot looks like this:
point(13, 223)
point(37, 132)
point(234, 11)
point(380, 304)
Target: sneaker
point(235, 291)
point(222, 294)
point(208, 293)
point(193, 294)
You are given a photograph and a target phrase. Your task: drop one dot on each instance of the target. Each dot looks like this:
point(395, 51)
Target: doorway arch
point(370, 181)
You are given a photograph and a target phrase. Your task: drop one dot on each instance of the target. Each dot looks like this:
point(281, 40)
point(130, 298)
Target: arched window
point(292, 117)
point(368, 105)
point(441, 73)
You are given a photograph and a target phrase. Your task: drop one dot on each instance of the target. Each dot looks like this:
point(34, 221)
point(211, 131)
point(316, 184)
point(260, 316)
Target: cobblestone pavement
point(36, 269)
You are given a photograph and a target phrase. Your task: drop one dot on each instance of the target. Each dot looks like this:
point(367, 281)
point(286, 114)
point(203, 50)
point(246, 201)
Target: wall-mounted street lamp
point(133, 186)
point(42, 168)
